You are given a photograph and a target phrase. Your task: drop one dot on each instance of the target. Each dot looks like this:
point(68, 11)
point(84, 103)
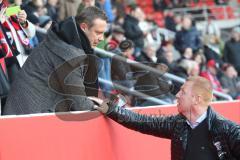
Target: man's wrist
point(115, 102)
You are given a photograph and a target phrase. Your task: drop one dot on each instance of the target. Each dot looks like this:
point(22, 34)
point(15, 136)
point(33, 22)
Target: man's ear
point(198, 99)
point(83, 26)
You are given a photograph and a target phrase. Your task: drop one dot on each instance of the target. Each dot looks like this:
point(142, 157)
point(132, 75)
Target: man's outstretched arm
point(161, 126)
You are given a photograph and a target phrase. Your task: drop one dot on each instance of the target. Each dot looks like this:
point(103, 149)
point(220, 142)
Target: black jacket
point(187, 39)
point(231, 53)
point(225, 134)
point(133, 31)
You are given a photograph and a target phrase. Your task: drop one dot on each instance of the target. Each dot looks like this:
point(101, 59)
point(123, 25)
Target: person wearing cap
point(121, 69)
point(211, 75)
point(117, 37)
point(232, 49)
point(197, 132)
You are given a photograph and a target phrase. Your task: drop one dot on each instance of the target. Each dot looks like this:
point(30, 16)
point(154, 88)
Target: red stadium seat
point(218, 12)
point(148, 10)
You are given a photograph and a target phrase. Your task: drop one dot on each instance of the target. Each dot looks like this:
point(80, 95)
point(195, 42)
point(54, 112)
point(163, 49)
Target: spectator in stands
point(197, 132)
point(200, 59)
point(148, 82)
point(168, 46)
point(127, 49)
point(120, 70)
point(84, 4)
point(188, 36)
point(68, 8)
point(62, 71)
point(211, 75)
point(117, 36)
point(230, 80)
point(211, 29)
point(212, 48)
point(52, 9)
point(118, 8)
point(132, 30)
point(191, 67)
point(148, 54)
point(36, 12)
point(170, 22)
point(16, 32)
point(167, 57)
point(184, 69)
point(15, 35)
point(151, 85)
point(232, 48)
point(188, 53)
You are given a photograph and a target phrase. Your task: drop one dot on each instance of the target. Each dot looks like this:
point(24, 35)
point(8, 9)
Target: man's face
point(119, 37)
point(128, 52)
point(169, 56)
point(231, 72)
point(188, 53)
point(212, 70)
point(185, 98)
point(95, 34)
point(236, 36)
point(187, 23)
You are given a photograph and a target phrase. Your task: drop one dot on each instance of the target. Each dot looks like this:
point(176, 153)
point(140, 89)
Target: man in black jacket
point(197, 132)
point(132, 29)
point(61, 72)
point(232, 49)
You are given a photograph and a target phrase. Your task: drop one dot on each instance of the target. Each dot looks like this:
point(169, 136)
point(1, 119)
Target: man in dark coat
point(61, 71)
point(188, 36)
point(232, 49)
point(197, 132)
point(132, 29)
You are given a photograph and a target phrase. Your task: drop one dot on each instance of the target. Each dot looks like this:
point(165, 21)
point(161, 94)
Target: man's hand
point(100, 105)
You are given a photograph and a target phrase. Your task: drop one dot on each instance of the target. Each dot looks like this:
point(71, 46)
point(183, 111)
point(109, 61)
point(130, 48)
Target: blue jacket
point(187, 39)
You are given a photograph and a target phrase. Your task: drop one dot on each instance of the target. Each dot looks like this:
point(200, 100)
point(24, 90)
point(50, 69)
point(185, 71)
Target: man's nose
point(101, 38)
point(177, 95)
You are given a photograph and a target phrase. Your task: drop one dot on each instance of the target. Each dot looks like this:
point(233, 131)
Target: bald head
point(202, 87)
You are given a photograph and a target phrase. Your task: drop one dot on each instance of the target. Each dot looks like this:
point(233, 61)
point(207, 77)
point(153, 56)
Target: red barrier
point(87, 136)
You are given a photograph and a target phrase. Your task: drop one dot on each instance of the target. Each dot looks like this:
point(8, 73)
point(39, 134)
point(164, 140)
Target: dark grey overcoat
point(50, 80)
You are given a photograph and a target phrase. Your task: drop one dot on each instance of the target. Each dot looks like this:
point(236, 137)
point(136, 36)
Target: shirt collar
point(198, 121)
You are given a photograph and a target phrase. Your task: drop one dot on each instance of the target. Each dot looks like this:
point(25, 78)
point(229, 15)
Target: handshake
point(105, 106)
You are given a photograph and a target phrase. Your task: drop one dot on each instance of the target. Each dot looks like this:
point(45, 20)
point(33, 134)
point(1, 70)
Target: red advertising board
point(87, 136)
